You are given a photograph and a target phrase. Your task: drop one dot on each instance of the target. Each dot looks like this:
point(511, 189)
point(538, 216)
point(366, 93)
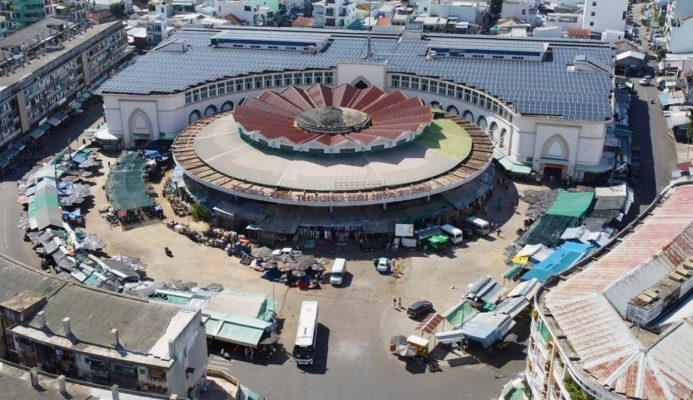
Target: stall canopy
point(571, 204)
point(487, 328)
point(510, 166)
point(125, 186)
point(40, 131)
point(560, 260)
point(44, 206)
point(244, 331)
point(460, 313)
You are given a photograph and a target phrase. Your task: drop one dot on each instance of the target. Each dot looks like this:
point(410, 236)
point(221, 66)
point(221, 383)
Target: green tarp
point(125, 186)
point(437, 241)
point(510, 166)
point(460, 314)
point(571, 204)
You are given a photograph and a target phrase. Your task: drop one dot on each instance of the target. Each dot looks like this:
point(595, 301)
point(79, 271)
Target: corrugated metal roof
point(586, 307)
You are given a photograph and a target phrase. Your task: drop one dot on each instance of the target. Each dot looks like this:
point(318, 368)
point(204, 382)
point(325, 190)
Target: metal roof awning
point(9, 153)
point(510, 166)
point(39, 132)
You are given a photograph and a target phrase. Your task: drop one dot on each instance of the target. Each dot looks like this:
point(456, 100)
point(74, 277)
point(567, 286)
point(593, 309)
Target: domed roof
point(333, 116)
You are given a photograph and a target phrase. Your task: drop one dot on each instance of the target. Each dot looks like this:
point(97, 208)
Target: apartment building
point(48, 64)
point(334, 13)
point(100, 337)
point(602, 15)
point(679, 27)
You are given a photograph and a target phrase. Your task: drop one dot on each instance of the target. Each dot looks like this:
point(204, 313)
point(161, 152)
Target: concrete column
point(85, 68)
point(61, 385)
point(23, 113)
point(33, 374)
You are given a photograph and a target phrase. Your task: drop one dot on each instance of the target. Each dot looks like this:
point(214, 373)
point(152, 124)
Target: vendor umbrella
point(298, 273)
point(317, 267)
point(398, 340)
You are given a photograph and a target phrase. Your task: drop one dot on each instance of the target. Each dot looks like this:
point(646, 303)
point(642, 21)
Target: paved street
point(657, 150)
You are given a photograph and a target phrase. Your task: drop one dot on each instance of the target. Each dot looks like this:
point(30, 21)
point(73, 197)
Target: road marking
point(4, 223)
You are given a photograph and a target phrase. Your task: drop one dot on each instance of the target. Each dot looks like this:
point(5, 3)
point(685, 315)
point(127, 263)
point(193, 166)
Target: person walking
point(498, 232)
point(394, 303)
point(399, 302)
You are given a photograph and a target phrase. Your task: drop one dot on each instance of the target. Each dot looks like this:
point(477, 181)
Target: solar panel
point(534, 87)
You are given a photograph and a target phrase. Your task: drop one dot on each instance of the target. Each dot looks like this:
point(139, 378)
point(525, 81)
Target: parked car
point(382, 265)
point(646, 80)
point(420, 309)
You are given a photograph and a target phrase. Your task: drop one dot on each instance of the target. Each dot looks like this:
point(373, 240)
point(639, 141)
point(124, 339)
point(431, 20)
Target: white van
point(338, 271)
point(454, 233)
point(481, 227)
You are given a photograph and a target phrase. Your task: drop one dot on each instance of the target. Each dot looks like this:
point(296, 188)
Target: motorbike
point(435, 367)
point(168, 252)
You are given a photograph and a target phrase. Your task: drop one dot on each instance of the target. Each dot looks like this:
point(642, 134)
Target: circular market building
point(324, 162)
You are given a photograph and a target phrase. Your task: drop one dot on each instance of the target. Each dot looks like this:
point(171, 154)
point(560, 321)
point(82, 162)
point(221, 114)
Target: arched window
point(139, 123)
point(210, 110)
point(361, 83)
point(227, 106)
point(194, 116)
point(492, 129)
point(501, 138)
point(468, 116)
point(453, 110)
point(436, 105)
point(556, 147)
point(483, 124)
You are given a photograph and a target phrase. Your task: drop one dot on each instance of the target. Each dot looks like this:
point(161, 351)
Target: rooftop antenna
point(369, 51)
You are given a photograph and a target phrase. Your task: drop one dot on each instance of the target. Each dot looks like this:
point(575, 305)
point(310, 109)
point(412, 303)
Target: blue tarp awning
point(565, 256)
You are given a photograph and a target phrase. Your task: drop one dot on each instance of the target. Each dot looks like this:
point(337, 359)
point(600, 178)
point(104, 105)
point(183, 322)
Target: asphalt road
point(657, 148)
point(11, 240)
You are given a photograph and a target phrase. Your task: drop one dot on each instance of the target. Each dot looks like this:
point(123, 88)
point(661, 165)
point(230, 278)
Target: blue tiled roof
point(532, 87)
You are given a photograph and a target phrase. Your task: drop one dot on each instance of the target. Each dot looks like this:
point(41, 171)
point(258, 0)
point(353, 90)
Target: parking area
point(356, 320)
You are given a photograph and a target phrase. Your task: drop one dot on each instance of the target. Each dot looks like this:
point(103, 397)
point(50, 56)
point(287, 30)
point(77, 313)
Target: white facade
point(464, 11)
point(520, 9)
point(247, 12)
point(334, 13)
point(679, 27)
point(601, 15)
point(556, 146)
point(563, 21)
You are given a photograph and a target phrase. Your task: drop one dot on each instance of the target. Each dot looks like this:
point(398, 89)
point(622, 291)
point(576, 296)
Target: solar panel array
point(533, 87)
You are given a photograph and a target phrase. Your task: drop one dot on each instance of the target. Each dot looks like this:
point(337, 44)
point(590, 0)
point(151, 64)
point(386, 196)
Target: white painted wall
point(608, 14)
point(352, 72)
point(190, 352)
point(517, 9)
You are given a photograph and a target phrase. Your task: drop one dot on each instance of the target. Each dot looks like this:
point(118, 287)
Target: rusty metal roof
point(586, 307)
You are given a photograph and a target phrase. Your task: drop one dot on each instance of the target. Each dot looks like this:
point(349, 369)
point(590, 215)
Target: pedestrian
point(510, 205)
point(485, 210)
point(247, 353)
point(399, 302)
point(498, 232)
point(251, 354)
point(394, 303)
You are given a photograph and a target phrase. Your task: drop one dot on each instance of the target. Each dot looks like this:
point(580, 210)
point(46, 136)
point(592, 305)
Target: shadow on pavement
point(646, 190)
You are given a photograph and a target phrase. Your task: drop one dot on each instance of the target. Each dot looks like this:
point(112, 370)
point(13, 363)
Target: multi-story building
point(334, 13)
point(26, 12)
point(679, 27)
point(602, 15)
point(545, 103)
point(246, 11)
point(100, 337)
point(48, 64)
point(70, 10)
point(521, 9)
point(618, 325)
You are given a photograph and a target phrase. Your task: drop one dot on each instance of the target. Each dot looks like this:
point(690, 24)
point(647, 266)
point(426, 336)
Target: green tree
point(201, 213)
point(496, 6)
point(151, 7)
point(118, 10)
point(661, 53)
